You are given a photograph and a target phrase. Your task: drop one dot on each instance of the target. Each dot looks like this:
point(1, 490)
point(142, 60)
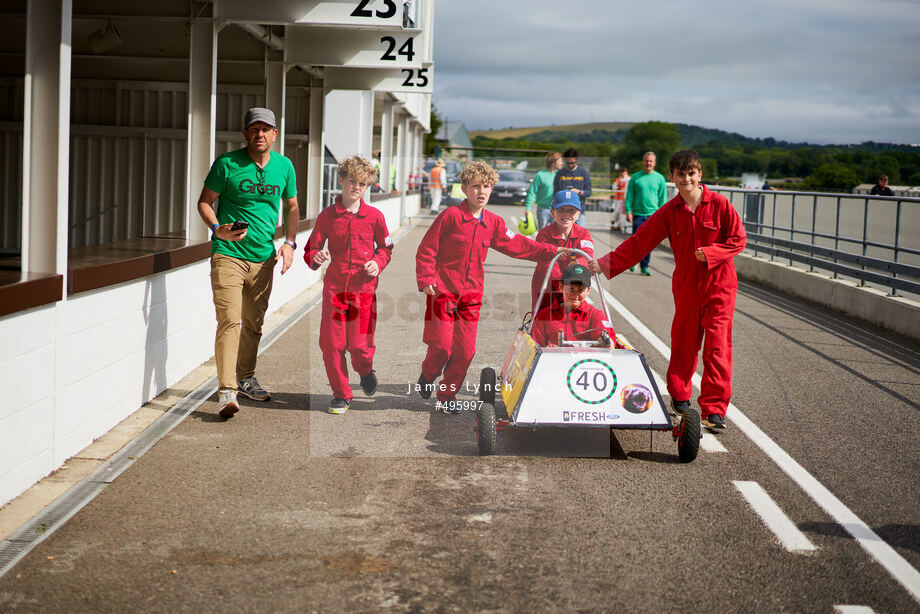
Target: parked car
point(511, 188)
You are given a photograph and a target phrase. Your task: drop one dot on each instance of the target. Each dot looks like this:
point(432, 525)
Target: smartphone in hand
point(239, 225)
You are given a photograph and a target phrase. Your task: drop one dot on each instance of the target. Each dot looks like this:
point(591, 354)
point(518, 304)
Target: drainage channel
point(62, 509)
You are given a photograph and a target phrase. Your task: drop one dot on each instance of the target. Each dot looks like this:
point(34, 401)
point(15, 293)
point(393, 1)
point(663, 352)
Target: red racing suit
point(579, 238)
point(585, 323)
point(451, 257)
point(704, 292)
point(349, 316)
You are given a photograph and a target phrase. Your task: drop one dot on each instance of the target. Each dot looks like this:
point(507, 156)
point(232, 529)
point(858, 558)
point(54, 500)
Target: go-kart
point(600, 383)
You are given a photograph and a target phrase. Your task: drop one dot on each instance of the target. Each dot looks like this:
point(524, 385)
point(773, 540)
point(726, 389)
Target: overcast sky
point(821, 71)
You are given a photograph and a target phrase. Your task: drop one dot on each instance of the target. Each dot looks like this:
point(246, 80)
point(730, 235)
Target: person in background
point(541, 189)
point(618, 211)
point(645, 194)
point(575, 178)
point(881, 188)
point(436, 185)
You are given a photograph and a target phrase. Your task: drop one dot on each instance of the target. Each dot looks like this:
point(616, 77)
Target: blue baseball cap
point(566, 198)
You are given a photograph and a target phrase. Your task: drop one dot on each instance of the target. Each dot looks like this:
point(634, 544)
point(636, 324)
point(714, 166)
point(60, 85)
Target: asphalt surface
point(389, 507)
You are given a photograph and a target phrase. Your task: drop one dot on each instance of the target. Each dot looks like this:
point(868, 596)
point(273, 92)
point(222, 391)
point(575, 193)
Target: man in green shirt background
point(541, 189)
point(251, 183)
point(645, 194)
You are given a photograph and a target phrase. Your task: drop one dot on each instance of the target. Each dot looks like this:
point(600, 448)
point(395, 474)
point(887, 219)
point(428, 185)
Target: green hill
point(578, 129)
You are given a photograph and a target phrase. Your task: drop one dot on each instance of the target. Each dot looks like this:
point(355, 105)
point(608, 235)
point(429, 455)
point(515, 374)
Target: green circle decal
point(591, 381)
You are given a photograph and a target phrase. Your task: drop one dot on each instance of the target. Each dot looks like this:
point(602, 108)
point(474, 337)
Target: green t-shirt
point(541, 190)
point(645, 193)
point(238, 180)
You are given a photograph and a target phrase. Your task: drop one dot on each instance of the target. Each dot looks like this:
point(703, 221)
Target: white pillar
point(312, 193)
point(402, 150)
point(402, 168)
point(386, 144)
point(202, 109)
point(275, 89)
point(46, 137)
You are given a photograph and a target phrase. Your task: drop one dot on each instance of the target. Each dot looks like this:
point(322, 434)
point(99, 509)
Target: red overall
point(579, 238)
point(349, 316)
point(584, 323)
point(451, 257)
point(704, 292)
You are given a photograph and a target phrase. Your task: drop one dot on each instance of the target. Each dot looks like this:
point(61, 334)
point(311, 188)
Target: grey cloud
point(828, 71)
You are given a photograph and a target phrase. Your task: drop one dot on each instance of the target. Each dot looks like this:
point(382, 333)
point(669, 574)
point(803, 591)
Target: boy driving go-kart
point(572, 317)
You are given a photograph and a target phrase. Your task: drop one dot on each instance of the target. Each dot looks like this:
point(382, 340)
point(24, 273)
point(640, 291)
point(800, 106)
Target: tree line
point(727, 155)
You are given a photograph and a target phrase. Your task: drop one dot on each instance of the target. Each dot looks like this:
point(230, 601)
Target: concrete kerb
point(895, 313)
point(78, 468)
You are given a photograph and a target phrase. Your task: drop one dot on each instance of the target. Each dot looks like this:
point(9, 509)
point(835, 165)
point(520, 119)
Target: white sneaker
point(227, 405)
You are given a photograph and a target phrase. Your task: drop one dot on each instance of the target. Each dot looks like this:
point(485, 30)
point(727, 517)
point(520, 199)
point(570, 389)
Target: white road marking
point(853, 609)
point(785, 530)
point(869, 540)
point(711, 443)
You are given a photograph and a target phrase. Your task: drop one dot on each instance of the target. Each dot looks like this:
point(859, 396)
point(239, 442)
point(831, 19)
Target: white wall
point(73, 370)
point(27, 358)
point(348, 118)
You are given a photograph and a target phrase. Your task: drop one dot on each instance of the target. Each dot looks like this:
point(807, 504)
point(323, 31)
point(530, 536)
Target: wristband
point(214, 228)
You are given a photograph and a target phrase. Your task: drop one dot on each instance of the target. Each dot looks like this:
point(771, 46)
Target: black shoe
point(680, 407)
point(369, 383)
point(714, 421)
point(338, 406)
point(425, 388)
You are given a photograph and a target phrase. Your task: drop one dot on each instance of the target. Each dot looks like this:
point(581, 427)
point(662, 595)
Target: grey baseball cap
point(259, 114)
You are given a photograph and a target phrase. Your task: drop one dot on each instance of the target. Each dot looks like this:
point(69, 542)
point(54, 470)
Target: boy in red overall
point(563, 232)
point(449, 270)
point(572, 316)
point(705, 233)
point(359, 247)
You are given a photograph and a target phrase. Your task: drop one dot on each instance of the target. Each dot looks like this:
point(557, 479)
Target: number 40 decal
point(415, 78)
point(362, 11)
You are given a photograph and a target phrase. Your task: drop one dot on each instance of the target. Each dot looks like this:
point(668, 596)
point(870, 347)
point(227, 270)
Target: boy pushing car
point(705, 233)
point(449, 270)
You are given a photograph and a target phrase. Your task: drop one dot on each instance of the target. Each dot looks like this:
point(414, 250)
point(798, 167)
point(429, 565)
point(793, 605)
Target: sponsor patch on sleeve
point(509, 234)
point(607, 324)
point(587, 244)
point(388, 241)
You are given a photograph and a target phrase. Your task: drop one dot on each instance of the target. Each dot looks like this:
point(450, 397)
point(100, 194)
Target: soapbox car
point(602, 384)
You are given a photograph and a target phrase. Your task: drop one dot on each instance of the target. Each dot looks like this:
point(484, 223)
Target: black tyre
point(487, 385)
point(688, 441)
point(486, 432)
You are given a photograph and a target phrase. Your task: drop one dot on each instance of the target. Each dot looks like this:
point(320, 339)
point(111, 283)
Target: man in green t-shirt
point(645, 194)
point(251, 183)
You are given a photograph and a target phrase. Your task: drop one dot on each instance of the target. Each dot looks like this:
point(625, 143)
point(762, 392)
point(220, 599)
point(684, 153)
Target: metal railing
point(331, 187)
point(874, 240)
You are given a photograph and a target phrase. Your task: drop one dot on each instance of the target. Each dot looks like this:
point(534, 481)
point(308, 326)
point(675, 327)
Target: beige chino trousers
point(241, 290)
